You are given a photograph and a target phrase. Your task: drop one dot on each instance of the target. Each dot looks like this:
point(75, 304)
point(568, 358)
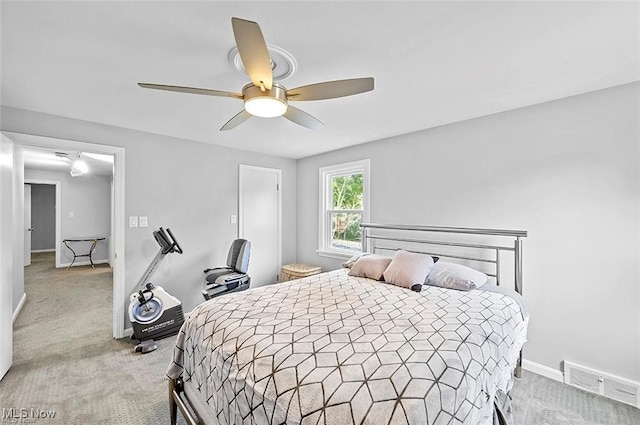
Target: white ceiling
point(48, 159)
point(434, 63)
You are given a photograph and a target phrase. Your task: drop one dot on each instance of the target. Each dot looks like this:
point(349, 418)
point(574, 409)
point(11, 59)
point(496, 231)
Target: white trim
point(543, 370)
point(39, 251)
point(334, 254)
point(85, 263)
point(9, 173)
point(19, 307)
point(58, 208)
point(363, 166)
point(119, 228)
point(278, 173)
point(119, 297)
point(26, 222)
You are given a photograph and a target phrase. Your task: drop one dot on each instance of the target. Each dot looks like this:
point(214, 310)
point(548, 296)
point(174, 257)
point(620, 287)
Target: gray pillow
point(455, 276)
point(408, 269)
point(371, 266)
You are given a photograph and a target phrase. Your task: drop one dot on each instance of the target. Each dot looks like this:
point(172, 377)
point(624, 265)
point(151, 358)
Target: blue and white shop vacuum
point(155, 314)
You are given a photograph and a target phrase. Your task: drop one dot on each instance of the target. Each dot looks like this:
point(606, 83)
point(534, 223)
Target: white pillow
point(408, 269)
point(455, 276)
point(371, 266)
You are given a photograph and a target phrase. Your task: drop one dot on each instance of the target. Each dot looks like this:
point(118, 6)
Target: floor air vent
point(601, 383)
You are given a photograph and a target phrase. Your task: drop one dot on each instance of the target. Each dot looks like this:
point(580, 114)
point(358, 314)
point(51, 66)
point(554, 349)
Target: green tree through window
point(347, 194)
point(344, 205)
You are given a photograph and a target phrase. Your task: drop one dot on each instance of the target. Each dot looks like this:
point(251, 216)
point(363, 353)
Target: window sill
point(336, 254)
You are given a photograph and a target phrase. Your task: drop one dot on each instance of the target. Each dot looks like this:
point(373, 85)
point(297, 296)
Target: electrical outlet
point(234, 219)
point(143, 221)
point(71, 214)
point(133, 221)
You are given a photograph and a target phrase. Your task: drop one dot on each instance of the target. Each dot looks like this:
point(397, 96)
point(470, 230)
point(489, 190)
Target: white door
point(259, 221)
point(27, 224)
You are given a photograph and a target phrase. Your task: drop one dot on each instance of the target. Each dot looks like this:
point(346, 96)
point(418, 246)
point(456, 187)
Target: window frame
point(325, 204)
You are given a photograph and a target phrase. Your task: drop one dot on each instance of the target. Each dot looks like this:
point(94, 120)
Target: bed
point(338, 349)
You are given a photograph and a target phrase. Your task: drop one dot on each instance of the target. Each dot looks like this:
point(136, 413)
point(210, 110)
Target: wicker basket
point(297, 271)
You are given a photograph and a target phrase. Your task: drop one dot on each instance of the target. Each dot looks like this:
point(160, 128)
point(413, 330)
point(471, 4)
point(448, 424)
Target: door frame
point(118, 210)
point(278, 173)
point(58, 208)
point(8, 219)
point(26, 228)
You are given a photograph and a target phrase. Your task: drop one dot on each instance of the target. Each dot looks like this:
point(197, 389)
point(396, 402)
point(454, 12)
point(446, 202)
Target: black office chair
point(234, 277)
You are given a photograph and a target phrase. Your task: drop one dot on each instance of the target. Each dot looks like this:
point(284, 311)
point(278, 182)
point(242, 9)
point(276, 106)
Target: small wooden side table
point(298, 271)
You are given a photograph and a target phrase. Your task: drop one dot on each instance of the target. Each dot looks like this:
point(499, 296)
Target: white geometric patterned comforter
point(334, 349)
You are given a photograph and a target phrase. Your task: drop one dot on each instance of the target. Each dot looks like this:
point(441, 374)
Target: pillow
point(351, 261)
point(371, 266)
point(455, 276)
point(408, 269)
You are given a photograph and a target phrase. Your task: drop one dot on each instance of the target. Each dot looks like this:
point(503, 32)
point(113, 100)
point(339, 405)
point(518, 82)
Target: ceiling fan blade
point(237, 119)
point(192, 90)
point(253, 51)
point(302, 118)
point(331, 89)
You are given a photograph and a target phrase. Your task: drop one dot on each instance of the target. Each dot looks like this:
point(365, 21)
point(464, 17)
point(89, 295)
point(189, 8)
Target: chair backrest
point(238, 258)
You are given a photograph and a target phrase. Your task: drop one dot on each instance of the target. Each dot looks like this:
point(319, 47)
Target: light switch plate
point(143, 221)
point(133, 221)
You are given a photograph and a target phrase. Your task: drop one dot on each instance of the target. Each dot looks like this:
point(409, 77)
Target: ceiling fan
point(264, 98)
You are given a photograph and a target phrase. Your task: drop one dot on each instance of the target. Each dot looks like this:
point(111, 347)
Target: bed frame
point(489, 253)
point(421, 239)
point(459, 250)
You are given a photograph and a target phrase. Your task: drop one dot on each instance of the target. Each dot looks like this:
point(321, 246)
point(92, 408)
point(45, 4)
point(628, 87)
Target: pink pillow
point(370, 266)
point(408, 269)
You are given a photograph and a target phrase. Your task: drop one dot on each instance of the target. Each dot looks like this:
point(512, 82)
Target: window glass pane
point(347, 192)
point(346, 232)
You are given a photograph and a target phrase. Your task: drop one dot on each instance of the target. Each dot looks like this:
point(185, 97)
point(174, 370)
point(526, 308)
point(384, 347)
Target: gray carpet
point(65, 358)
point(66, 361)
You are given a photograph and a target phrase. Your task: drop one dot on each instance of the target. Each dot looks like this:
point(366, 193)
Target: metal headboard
point(484, 252)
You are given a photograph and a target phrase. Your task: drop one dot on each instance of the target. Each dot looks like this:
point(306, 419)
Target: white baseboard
point(19, 308)
point(84, 263)
point(543, 370)
point(36, 251)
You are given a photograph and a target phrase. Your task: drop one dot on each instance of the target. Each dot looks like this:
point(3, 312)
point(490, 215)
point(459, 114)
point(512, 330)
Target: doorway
point(43, 233)
point(118, 214)
point(27, 225)
point(260, 221)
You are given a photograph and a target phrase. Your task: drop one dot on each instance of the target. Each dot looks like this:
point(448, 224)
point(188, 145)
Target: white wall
point(566, 171)
point(189, 187)
point(88, 199)
point(6, 253)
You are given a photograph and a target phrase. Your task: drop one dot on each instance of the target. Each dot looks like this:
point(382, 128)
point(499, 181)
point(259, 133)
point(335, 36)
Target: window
point(344, 204)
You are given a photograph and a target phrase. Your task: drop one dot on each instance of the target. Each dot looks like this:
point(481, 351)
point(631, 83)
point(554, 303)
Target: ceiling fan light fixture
point(264, 64)
point(265, 104)
point(265, 107)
